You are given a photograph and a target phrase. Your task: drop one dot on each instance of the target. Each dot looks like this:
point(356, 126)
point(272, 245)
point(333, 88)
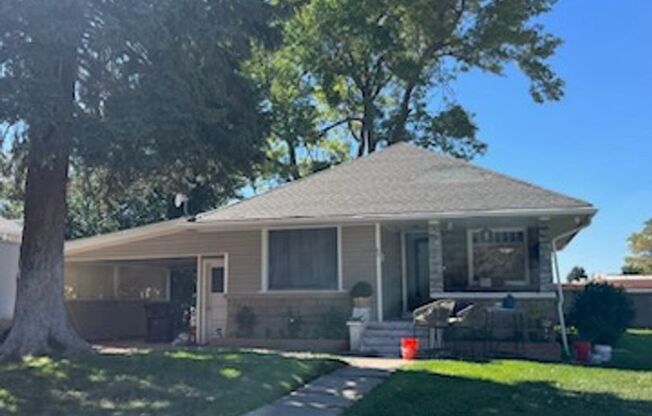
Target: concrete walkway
point(330, 394)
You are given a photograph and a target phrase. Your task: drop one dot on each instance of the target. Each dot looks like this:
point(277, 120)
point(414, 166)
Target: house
point(638, 288)
point(414, 224)
point(10, 236)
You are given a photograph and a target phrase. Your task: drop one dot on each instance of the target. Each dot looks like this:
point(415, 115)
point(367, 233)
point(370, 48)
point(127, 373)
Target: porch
point(466, 259)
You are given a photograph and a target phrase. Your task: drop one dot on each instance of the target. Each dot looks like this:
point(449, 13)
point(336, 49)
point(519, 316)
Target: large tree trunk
point(41, 323)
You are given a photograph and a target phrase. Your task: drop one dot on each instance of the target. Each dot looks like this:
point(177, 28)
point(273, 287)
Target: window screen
point(303, 259)
point(217, 280)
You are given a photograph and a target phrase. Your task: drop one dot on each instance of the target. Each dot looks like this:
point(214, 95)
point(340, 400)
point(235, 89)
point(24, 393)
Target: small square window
point(217, 280)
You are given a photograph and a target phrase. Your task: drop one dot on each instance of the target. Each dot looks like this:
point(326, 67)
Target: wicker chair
point(435, 316)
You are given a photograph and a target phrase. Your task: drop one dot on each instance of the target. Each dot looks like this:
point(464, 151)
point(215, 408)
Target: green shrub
point(361, 290)
point(294, 323)
point(246, 320)
point(332, 324)
point(601, 313)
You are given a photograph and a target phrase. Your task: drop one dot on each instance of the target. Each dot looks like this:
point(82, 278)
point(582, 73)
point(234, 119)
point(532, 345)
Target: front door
point(215, 285)
point(419, 278)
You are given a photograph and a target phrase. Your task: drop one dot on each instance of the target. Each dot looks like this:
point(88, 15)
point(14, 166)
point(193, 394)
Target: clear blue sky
point(596, 143)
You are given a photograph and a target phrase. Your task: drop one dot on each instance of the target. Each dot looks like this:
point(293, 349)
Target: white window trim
point(469, 247)
point(264, 269)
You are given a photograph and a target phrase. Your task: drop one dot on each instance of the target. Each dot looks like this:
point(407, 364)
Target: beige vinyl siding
point(359, 258)
point(242, 247)
point(392, 298)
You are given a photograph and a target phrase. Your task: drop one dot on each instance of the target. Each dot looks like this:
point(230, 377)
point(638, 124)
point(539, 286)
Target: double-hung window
point(304, 259)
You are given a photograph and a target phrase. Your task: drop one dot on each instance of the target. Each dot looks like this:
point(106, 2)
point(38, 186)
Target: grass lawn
point(516, 387)
point(174, 382)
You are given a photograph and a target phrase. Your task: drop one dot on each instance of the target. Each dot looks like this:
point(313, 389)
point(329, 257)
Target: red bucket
point(582, 351)
point(409, 348)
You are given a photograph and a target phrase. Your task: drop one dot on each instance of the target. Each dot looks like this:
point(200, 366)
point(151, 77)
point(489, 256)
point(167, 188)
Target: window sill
point(301, 292)
point(493, 295)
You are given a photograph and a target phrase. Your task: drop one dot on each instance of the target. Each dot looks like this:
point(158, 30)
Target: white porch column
point(545, 256)
point(379, 273)
point(435, 257)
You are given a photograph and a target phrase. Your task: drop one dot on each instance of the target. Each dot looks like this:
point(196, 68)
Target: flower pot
point(601, 353)
point(582, 351)
point(361, 302)
point(409, 348)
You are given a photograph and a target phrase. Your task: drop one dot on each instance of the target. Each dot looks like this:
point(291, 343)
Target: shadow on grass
point(175, 382)
point(419, 393)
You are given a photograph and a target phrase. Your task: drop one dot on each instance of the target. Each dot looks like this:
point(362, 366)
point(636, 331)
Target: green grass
point(516, 387)
point(175, 382)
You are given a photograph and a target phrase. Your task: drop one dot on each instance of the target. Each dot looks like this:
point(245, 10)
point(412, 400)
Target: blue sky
point(596, 143)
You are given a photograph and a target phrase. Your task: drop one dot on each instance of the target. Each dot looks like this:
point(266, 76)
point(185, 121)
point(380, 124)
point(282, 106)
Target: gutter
point(560, 291)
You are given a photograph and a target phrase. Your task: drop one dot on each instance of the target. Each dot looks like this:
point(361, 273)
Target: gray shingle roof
point(400, 180)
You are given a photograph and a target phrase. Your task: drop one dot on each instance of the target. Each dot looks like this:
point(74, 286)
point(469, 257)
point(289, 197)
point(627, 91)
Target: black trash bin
point(159, 322)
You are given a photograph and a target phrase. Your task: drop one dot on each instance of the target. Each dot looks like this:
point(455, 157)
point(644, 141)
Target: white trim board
point(493, 295)
point(379, 272)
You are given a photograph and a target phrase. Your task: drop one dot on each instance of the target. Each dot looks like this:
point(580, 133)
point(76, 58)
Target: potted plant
point(361, 293)
point(601, 313)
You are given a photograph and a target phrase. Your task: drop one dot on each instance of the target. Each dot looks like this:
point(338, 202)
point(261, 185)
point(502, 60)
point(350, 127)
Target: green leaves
point(160, 97)
point(640, 246)
point(376, 65)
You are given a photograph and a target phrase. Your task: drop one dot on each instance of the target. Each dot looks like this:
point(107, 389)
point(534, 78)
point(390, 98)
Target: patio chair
point(435, 316)
point(466, 327)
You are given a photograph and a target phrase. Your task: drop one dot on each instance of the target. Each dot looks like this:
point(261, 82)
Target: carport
point(107, 298)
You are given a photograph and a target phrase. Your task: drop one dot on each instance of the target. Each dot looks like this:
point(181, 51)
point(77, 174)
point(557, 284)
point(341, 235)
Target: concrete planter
point(356, 329)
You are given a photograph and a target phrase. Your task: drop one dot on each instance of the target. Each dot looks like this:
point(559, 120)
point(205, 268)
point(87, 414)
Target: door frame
point(202, 290)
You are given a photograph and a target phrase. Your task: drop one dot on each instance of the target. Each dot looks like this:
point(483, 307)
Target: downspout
point(560, 291)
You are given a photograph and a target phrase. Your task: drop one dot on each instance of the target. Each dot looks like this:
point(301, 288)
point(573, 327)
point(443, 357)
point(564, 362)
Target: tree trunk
point(41, 323)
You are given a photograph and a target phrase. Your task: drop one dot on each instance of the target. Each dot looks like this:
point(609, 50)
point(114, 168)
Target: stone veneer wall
point(545, 257)
point(436, 263)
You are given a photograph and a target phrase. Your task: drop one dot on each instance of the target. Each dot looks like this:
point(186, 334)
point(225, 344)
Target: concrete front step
point(389, 333)
point(390, 325)
point(384, 338)
point(371, 341)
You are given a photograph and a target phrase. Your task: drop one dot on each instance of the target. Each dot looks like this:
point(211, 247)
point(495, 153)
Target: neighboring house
point(638, 289)
point(414, 224)
point(10, 236)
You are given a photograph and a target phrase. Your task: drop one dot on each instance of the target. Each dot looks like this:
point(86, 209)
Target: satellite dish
point(179, 200)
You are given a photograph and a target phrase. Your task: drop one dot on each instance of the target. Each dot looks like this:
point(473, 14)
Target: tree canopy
point(577, 273)
point(352, 74)
point(121, 92)
point(640, 247)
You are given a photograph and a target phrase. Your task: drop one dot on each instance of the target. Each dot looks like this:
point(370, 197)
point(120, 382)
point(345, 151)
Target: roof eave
point(543, 212)
point(76, 247)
